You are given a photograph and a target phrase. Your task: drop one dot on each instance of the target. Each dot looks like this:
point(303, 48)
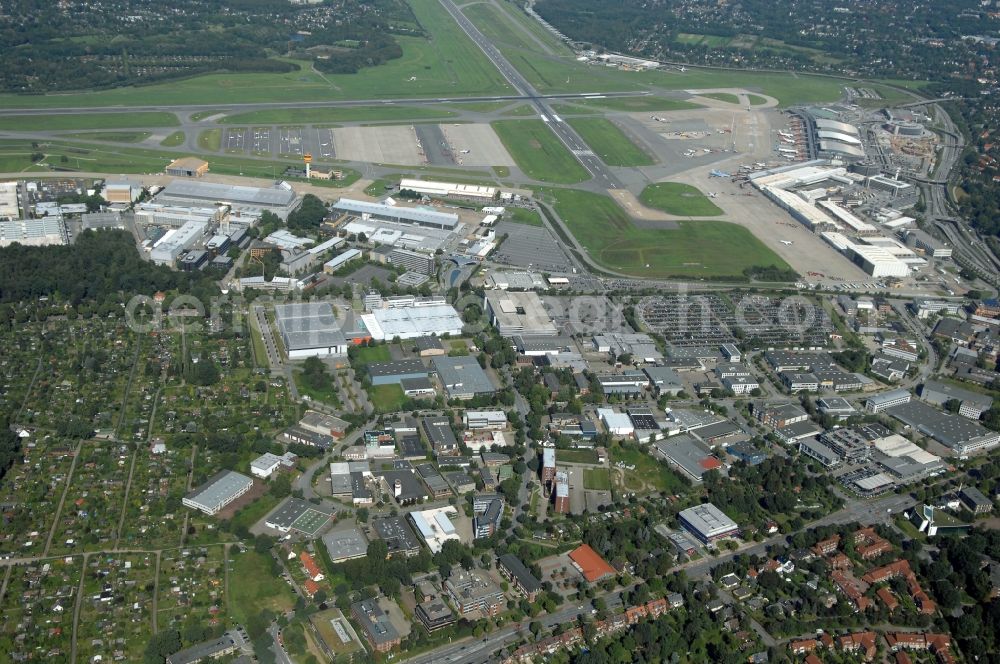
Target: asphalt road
point(601, 174)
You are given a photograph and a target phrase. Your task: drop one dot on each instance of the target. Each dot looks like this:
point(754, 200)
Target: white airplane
point(786, 134)
point(466, 151)
point(786, 242)
point(712, 194)
point(682, 69)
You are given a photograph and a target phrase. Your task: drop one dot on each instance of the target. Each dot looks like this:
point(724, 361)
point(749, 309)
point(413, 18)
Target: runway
point(602, 176)
point(227, 109)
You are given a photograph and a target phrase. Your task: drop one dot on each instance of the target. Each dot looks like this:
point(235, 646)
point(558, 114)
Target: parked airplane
point(786, 242)
point(718, 174)
point(682, 69)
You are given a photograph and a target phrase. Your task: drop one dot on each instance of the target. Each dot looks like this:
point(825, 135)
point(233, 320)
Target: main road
point(601, 174)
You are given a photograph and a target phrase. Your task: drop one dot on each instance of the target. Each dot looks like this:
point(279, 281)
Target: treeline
point(10, 447)
point(376, 50)
point(100, 266)
point(160, 42)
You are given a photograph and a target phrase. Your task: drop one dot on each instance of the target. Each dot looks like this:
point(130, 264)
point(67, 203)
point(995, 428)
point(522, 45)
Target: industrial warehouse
point(310, 330)
point(403, 215)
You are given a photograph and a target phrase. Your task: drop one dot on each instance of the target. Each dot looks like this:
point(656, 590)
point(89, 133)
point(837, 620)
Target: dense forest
point(101, 266)
point(128, 42)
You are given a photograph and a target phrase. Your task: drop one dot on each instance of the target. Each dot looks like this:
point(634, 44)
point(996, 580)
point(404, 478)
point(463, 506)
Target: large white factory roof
point(843, 215)
point(448, 189)
point(809, 213)
point(435, 527)
point(834, 125)
point(797, 177)
point(280, 195)
point(34, 232)
point(412, 322)
point(415, 215)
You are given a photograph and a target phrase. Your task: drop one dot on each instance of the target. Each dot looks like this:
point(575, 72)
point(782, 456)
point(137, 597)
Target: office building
point(708, 523)
point(518, 314)
point(885, 400)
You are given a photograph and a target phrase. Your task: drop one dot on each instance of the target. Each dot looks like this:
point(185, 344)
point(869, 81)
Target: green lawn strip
point(577, 456)
point(93, 157)
point(497, 27)
point(756, 100)
point(350, 114)
point(524, 216)
point(596, 479)
point(201, 115)
point(173, 140)
point(387, 398)
point(210, 140)
point(523, 110)
point(253, 586)
point(367, 354)
point(704, 248)
point(87, 121)
point(113, 136)
point(636, 104)
point(609, 142)
point(727, 97)
point(538, 152)
point(678, 199)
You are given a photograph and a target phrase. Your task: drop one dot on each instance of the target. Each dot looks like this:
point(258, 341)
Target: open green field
point(506, 26)
point(266, 591)
point(610, 143)
point(446, 64)
point(678, 199)
point(577, 456)
point(210, 140)
point(649, 474)
point(596, 479)
point(538, 152)
point(98, 158)
point(173, 140)
point(523, 216)
point(87, 121)
point(756, 100)
point(387, 398)
point(520, 111)
point(368, 354)
point(352, 114)
point(727, 97)
point(113, 136)
point(704, 248)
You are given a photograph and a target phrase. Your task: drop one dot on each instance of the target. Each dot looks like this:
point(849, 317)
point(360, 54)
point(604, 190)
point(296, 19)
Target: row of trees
point(101, 266)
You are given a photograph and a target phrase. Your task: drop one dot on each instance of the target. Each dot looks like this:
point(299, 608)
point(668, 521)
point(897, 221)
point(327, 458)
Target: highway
point(601, 174)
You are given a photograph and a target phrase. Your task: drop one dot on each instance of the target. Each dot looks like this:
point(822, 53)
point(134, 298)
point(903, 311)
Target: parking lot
point(530, 246)
point(290, 141)
point(261, 140)
point(235, 140)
